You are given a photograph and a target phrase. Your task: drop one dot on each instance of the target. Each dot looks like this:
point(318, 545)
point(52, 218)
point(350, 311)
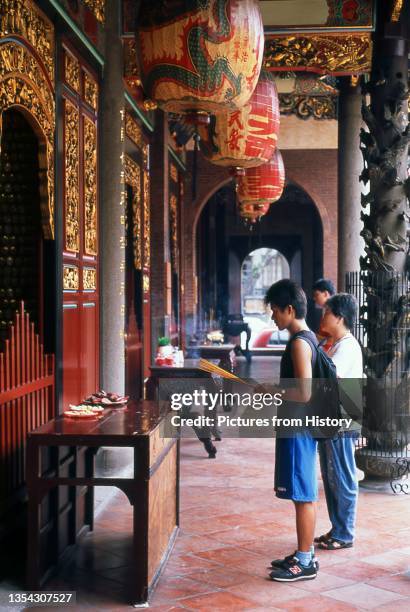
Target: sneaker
point(287, 560)
point(283, 562)
point(294, 571)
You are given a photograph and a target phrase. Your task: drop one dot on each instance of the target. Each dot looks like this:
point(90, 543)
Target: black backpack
point(325, 400)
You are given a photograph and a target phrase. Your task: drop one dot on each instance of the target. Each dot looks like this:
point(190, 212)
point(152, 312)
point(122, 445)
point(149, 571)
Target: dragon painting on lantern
point(211, 52)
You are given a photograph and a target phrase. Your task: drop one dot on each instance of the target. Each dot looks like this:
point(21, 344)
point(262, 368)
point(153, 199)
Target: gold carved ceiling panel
point(321, 53)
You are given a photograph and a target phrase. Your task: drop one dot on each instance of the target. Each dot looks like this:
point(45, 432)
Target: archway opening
point(23, 253)
point(260, 269)
point(292, 227)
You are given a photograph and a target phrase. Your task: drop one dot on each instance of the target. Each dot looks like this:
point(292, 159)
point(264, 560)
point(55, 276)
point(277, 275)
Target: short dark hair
point(287, 293)
point(343, 305)
point(324, 284)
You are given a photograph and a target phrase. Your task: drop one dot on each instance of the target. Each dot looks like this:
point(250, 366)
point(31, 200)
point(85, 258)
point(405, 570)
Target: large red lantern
point(246, 137)
point(263, 184)
point(200, 56)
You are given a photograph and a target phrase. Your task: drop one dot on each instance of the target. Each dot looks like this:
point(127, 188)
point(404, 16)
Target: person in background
point(295, 456)
point(322, 289)
point(337, 462)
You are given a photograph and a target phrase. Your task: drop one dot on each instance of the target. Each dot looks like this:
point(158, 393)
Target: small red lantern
point(263, 184)
point(200, 56)
point(246, 137)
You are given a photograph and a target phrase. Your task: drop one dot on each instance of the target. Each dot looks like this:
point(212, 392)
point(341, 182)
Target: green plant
point(164, 341)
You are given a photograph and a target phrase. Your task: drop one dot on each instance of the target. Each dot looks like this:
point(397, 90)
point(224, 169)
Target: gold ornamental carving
point(173, 222)
point(90, 187)
point(89, 279)
point(133, 178)
point(305, 107)
point(97, 7)
point(71, 278)
point(397, 7)
point(133, 131)
point(90, 91)
point(131, 69)
point(323, 53)
point(72, 168)
point(24, 85)
point(147, 220)
point(173, 172)
point(72, 71)
point(23, 18)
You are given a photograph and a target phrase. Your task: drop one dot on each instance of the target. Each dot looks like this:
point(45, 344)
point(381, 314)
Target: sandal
point(323, 538)
point(332, 544)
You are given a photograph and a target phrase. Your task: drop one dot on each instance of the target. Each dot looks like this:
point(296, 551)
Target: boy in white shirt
point(336, 454)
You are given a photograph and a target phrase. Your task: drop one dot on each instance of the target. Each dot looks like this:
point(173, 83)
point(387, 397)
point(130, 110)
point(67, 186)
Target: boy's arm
point(301, 354)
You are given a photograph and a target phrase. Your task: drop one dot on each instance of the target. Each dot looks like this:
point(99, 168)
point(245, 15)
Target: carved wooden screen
point(138, 256)
point(80, 233)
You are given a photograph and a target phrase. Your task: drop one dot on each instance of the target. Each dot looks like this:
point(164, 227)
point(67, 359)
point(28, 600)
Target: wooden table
point(153, 490)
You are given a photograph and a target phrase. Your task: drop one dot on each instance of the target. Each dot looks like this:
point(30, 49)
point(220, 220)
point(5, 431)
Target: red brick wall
point(313, 170)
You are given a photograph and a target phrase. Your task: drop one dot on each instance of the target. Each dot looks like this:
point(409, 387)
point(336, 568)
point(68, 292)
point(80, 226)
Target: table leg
point(140, 531)
point(34, 506)
point(89, 496)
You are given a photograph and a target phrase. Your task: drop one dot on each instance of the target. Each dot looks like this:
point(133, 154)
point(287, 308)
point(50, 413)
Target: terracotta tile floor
point(231, 527)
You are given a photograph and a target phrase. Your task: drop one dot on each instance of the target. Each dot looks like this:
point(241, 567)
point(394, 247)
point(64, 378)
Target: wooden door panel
point(80, 228)
point(71, 379)
point(89, 348)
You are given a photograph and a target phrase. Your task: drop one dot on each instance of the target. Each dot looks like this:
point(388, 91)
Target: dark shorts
point(295, 468)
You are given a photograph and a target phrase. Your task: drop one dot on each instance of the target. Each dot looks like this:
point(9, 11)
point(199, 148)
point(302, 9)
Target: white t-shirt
point(347, 356)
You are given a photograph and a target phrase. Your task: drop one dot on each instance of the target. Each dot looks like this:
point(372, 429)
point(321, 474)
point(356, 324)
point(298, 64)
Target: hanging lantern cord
point(195, 164)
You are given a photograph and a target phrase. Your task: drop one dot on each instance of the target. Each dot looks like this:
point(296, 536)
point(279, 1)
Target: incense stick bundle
point(208, 366)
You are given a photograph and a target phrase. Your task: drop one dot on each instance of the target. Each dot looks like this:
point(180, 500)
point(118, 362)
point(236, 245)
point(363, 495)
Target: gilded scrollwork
point(324, 53)
point(90, 187)
point(147, 220)
point(173, 223)
point(90, 91)
point(71, 278)
point(133, 178)
point(23, 84)
point(22, 17)
point(397, 7)
point(97, 7)
point(72, 168)
point(305, 107)
point(173, 172)
point(131, 69)
point(89, 279)
point(72, 71)
point(133, 131)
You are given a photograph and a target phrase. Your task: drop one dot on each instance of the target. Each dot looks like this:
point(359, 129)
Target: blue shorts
point(295, 468)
